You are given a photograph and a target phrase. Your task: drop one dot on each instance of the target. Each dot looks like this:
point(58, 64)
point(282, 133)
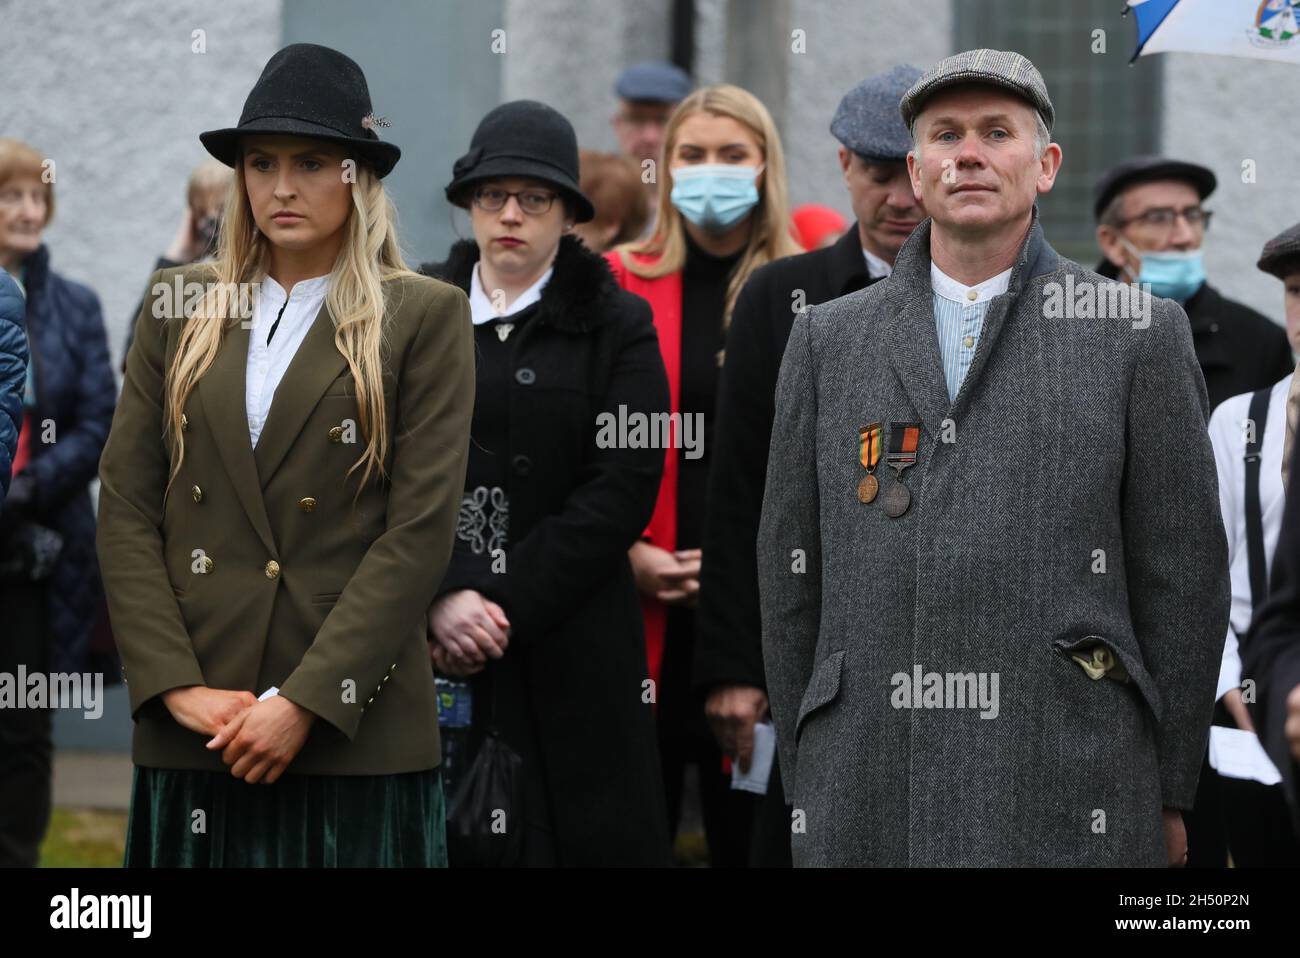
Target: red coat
point(664, 295)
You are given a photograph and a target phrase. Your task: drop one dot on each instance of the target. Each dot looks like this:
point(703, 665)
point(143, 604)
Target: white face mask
point(715, 196)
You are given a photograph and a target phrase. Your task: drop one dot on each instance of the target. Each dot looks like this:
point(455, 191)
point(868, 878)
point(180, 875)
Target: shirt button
point(972, 295)
point(968, 342)
point(273, 570)
point(307, 504)
point(525, 376)
point(197, 493)
point(336, 434)
point(522, 465)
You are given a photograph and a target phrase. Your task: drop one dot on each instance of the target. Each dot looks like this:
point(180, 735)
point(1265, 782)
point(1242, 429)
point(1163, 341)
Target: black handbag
point(484, 819)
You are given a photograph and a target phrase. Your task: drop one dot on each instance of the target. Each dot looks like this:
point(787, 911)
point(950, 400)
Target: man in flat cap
point(728, 650)
point(1248, 433)
point(1151, 225)
point(991, 566)
point(647, 92)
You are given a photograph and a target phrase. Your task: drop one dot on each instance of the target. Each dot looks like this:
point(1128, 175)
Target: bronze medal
point(895, 500)
point(869, 447)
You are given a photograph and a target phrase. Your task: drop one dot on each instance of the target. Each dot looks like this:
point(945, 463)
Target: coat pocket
point(1098, 658)
point(821, 690)
point(325, 598)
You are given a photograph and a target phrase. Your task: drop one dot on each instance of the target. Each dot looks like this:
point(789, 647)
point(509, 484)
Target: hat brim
point(1201, 178)
point(501, 167)
point(380, 155)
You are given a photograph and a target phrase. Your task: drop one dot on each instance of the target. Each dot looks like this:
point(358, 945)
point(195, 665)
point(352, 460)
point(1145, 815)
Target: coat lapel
point(221, 390)
point(315, 365)
point(910, 335)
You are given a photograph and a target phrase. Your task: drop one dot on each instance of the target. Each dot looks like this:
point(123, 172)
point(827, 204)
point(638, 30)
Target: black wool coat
point(728, 647)
point(567, 588)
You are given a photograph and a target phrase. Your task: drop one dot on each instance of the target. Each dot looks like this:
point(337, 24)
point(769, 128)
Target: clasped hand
point(257, 740)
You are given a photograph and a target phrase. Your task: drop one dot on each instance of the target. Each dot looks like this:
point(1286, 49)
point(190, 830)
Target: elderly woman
point(49, 579)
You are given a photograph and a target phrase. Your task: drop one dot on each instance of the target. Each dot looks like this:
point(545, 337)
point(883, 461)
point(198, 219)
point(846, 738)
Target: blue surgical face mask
point(1171, 274)
point(715, 196)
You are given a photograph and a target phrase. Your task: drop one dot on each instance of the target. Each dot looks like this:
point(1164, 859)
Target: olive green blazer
point(257, 569)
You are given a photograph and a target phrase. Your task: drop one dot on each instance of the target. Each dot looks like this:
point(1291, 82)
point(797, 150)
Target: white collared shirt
point(481, 309)
point(1228, 434)
point(877, 268)
point(959, 318)
point(267, 364)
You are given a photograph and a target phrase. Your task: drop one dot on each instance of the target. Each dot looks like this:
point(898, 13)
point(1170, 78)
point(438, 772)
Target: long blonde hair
point(369, 256)
point(769, 234)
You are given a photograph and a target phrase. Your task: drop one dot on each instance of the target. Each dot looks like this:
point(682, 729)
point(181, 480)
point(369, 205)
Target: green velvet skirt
point(302, 821)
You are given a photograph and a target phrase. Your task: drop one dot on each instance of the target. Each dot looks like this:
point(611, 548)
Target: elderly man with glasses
point(1151, 223)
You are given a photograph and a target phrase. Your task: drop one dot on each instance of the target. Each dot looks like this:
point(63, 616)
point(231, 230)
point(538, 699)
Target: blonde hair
point(769, 234)
point(17, 160)
point(356, 300)
point(210, 176)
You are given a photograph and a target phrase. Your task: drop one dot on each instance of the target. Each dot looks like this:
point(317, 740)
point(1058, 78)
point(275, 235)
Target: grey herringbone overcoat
point(1065, 504)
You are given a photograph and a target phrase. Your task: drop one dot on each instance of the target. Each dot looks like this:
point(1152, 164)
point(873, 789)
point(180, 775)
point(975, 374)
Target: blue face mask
point(715, 196)
point(1171, 274)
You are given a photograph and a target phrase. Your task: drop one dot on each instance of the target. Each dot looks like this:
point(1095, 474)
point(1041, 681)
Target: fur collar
point(577, 298)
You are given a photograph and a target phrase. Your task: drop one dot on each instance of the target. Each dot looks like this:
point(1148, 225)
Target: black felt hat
point(527, 139)
point(310, 90)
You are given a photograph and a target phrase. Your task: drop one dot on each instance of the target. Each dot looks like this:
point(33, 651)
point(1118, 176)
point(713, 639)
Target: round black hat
point(310, 90)
point(522, 138)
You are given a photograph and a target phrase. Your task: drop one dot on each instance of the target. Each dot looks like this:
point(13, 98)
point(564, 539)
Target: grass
point(84, 838)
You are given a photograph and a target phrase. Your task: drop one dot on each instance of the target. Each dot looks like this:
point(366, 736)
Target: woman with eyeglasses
point(538, 609)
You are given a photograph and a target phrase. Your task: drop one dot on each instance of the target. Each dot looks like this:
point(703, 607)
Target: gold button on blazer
point(324, 603)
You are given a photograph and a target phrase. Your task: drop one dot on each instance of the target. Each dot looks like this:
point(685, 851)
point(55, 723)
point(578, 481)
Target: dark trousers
point(1258, 822)
point(1207, 838)
point(26, 745)
point(770, 845)
point(685, 739)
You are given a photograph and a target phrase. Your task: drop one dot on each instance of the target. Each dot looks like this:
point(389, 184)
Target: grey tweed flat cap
point(997, 67)
point(1281, 254)
point(866, 120)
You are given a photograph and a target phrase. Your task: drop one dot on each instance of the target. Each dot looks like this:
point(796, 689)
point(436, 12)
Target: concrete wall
point(847, 41)
point(114, 93)
point(1222, 112)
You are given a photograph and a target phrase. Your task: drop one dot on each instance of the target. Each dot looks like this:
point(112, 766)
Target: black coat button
point(522, 465)
point(525, 376)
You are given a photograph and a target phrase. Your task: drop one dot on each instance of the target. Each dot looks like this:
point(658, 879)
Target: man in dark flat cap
point(1270, 655)
point(728, 650)
point(992, 571)
point(1248, 433)
point(647, 92)
point(1151, 224)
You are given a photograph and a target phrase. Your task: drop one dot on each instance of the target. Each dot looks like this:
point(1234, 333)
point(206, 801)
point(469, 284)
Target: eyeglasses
point(1164, 217)
point(533, 202)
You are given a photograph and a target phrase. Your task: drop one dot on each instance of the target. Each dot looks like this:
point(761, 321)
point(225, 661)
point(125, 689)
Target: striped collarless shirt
point(959, 312)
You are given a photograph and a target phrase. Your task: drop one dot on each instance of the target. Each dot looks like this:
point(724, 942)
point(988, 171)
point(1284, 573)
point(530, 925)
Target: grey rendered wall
point(114, 94)
point(567, 53)
point(848, 40)
point(432, 74)
point(1222, 112)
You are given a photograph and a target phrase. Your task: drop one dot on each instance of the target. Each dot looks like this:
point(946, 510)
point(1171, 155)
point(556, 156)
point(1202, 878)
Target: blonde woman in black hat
point(279, 495)
point(539, 604)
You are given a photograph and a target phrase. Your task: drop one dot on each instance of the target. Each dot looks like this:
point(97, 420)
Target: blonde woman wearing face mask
point(722, 212)
point(279, 496)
